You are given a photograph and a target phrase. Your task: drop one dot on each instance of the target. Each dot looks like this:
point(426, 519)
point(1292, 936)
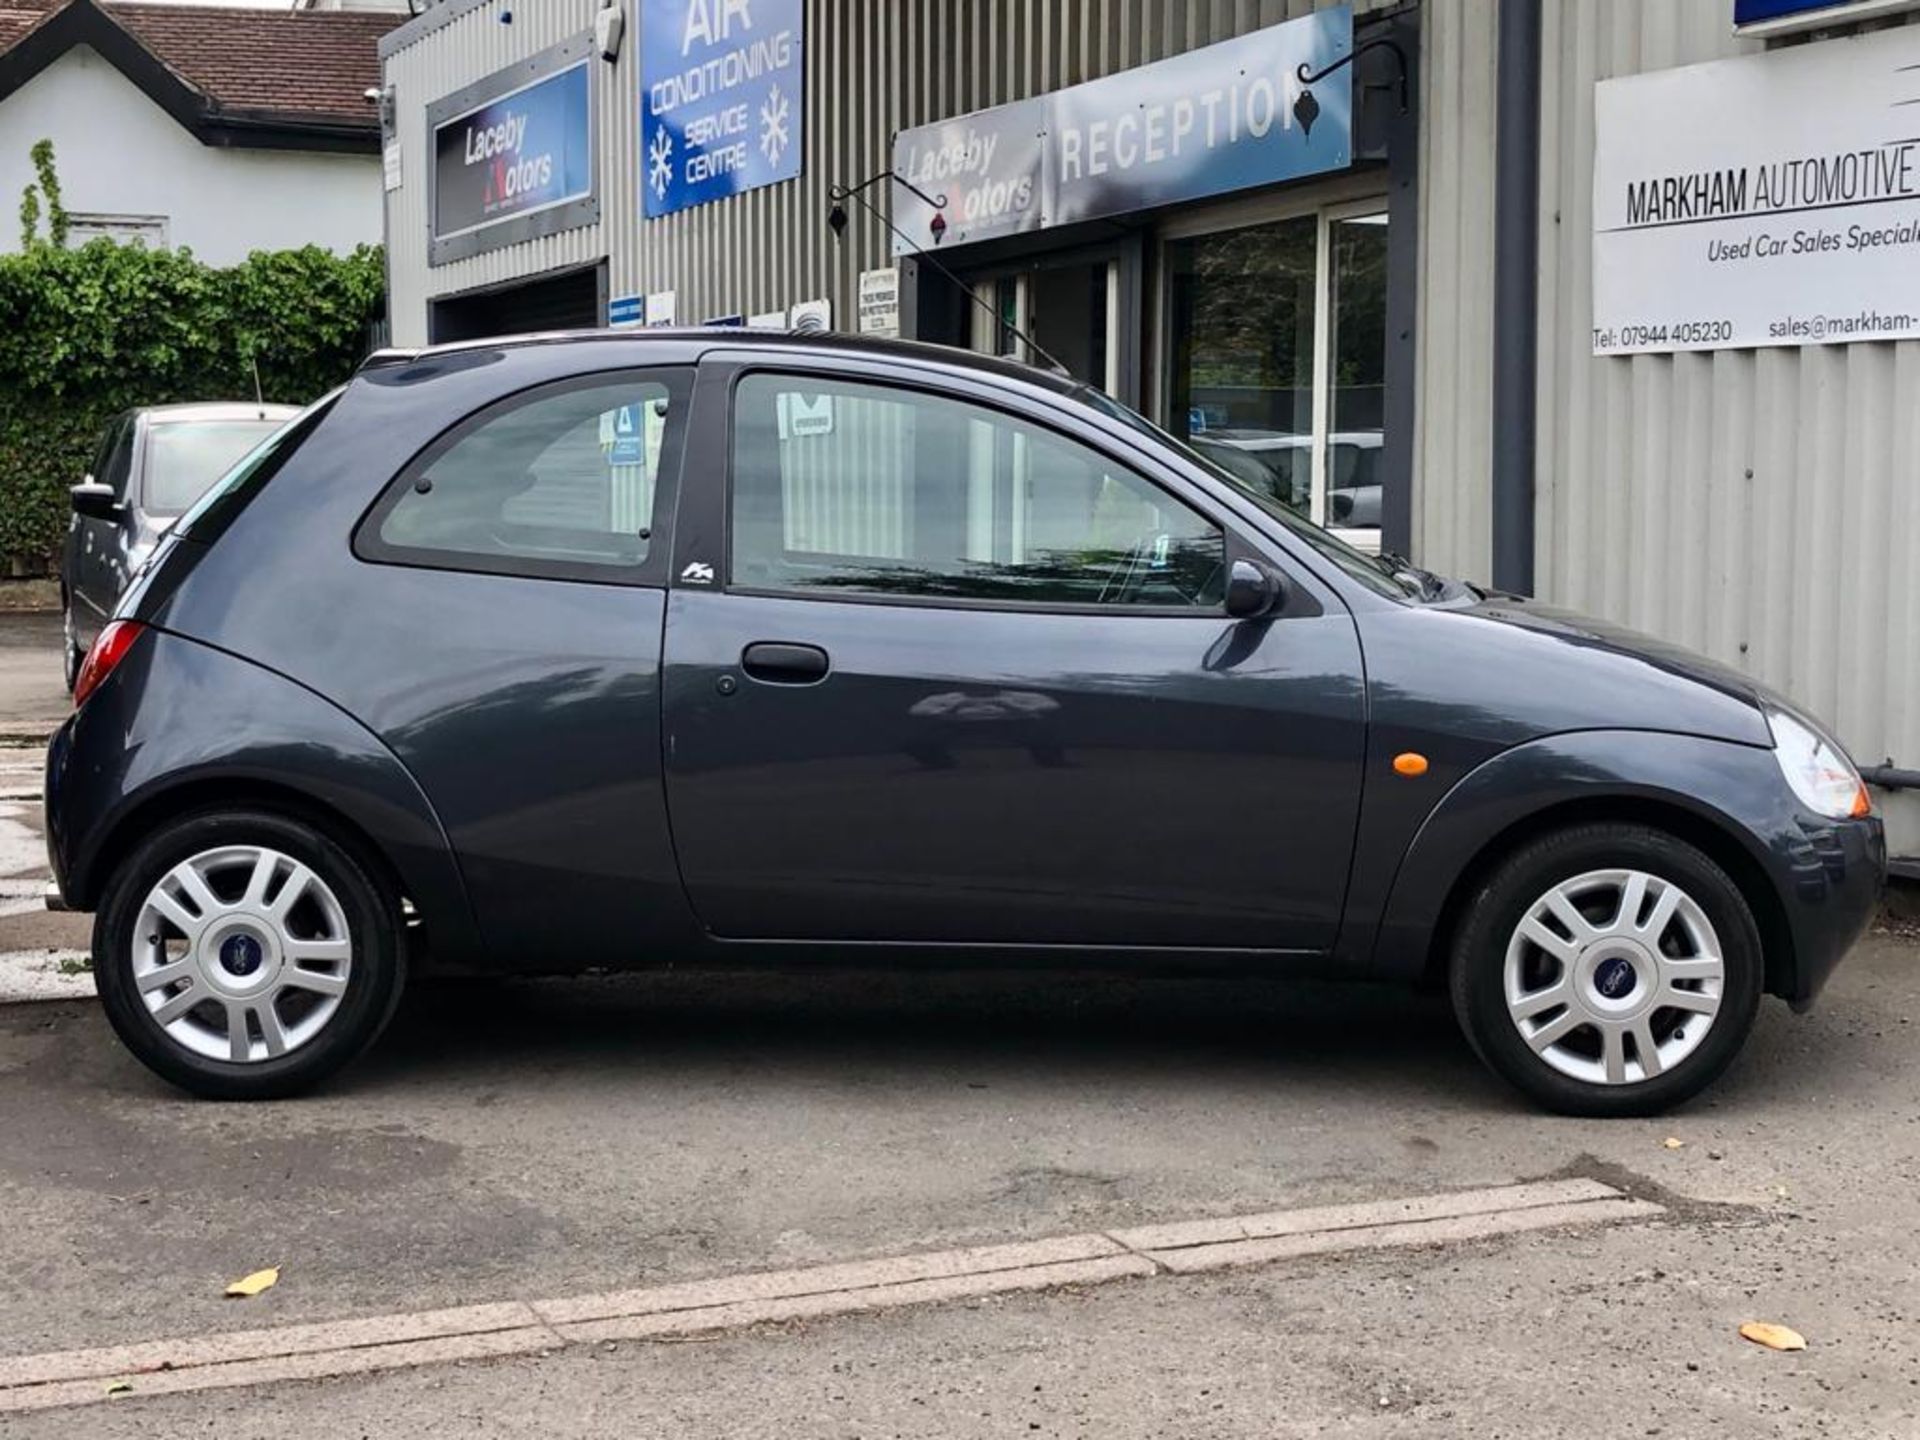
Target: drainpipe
point(1890, 777)
point(1516, 259)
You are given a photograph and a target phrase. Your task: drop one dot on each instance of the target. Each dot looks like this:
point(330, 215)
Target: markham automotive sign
point(1214, 120)
point(1770, 200)
point(721, 99)
point(528, 150)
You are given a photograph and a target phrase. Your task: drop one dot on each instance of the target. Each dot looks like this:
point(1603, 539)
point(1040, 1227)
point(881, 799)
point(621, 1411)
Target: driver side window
point(866, 489)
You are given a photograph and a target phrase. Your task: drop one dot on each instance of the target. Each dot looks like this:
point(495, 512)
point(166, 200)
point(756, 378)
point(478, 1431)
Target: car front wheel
point(243, 956)
point(1608, 970)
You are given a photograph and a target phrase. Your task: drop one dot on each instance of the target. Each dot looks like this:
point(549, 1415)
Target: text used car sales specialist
point(1765, 199)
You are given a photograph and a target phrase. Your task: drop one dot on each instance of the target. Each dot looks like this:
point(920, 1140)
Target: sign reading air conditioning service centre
point(721, 94)
point(1214, 120)
point(528, 150)
point(1769, 200)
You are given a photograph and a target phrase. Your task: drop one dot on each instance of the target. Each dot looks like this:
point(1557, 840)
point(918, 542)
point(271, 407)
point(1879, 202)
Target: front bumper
point(52, 787)
point(1833, 875)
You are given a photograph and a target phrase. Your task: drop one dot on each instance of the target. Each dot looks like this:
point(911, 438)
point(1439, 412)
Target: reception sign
point(1769, 200)
point(1223, 118)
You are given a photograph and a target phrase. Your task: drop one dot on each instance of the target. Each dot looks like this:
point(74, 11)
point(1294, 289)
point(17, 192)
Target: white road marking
point(386, 1342)
point(21, 847)
point(32, 975)
point(22, 774)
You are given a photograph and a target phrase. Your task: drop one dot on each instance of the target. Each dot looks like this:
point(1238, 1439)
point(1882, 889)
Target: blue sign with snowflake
point(721, 99)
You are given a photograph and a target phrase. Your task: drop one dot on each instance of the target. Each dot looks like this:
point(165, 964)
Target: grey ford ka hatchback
point(728, 649)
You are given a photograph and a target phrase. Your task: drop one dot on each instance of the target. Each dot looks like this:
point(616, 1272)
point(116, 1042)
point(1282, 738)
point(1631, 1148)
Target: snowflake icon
point(774, 114)
point(660, 162)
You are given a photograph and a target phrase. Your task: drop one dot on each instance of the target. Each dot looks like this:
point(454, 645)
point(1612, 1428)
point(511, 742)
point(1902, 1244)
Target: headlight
point(1817, 769)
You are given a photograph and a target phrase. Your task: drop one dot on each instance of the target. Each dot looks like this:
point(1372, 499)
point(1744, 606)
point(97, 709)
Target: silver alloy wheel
point(242, 954)
point(1614, 976)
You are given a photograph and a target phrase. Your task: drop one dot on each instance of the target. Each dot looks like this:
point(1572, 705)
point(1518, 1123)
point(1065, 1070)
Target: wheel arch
point(207, 794)
point(181, 727)
point(1712, 838)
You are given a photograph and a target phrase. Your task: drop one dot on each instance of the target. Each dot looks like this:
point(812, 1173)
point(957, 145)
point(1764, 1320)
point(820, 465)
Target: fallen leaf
point(251, 1285)
point(119, 1387)
point(1774, 1337)
point(1673, 1142)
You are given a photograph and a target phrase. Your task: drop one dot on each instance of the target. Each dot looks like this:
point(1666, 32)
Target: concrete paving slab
point(733, 1302)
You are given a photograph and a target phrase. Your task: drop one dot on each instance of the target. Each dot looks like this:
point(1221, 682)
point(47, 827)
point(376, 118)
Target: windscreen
point(1369, 570)
point(228, 496)
point(184, 457)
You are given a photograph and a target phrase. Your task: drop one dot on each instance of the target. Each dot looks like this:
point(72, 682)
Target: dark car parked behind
point(725, 648)
point(152, 464)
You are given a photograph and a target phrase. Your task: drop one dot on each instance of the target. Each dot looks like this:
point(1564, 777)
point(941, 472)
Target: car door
point(505, 644)
point(96, 548)
point(937, 671)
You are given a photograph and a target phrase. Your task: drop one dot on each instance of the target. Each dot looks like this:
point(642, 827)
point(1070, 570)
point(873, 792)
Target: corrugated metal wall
point(1762, 506)
point(875, 67)
point(872, 68)
point(473, 46)
point(1453, 440)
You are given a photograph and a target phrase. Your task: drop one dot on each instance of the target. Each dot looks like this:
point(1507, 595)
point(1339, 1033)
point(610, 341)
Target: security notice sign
point(720, 99)
point(1770, 200)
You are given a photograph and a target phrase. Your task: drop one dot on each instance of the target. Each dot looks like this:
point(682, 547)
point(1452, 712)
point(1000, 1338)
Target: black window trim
point(126, 438)
point(1234, 547)
point(370, 547)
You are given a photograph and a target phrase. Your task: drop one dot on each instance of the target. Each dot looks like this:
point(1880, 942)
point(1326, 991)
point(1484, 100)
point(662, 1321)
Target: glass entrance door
point(1275, 354)
point(1068, 308)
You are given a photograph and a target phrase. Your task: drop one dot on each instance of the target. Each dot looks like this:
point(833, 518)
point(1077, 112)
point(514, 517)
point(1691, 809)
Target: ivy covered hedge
point(87, 333)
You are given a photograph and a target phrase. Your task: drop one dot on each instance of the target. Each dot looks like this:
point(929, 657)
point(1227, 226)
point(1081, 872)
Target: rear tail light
point(108, 648)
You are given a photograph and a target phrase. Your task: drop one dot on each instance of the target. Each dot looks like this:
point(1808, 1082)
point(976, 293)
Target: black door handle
point(780, 663)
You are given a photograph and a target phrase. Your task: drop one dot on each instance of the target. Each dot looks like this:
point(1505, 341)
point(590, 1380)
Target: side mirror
point(94, 500)
point(1252, 590)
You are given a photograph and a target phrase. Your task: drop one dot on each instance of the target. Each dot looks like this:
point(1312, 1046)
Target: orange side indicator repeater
point(1408, 762)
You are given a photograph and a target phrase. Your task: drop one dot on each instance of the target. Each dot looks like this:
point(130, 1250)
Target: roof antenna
point(259, 396)
point(837, 219)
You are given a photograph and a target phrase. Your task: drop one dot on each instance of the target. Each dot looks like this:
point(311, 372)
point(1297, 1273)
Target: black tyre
point(245, 956)
point(1607, 970)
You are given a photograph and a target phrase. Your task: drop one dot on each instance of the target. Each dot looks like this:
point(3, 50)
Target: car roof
point(215, 410)
point(728, 337)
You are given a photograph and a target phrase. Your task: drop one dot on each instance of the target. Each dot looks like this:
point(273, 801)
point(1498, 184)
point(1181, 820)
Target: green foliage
point(57, 222)
point(87, 333)
point(48, 189)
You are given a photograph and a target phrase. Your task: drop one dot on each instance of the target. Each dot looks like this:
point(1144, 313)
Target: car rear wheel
point(1608, 970)
point(243, 956)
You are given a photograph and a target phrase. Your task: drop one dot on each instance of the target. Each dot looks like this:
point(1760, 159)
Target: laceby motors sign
point(721, 100)
point(1226, 117)
point(525, 151)
point(1769, 200)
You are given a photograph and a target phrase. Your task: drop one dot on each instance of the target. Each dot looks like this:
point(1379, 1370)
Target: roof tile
point(304, 64)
